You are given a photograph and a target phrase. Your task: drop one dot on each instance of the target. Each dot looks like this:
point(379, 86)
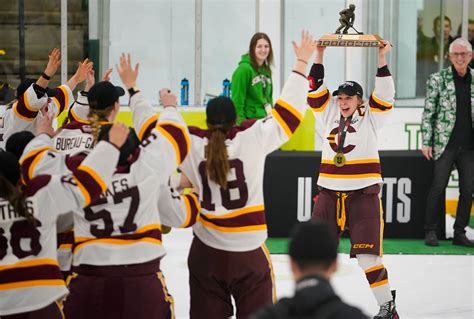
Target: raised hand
point(106, 76)
point(305, 49)
point(167, 98)
point(83, 68)
point(127, 73)
point(118, 134)
point(382, 60)
point(54, 62)
point(90, 80)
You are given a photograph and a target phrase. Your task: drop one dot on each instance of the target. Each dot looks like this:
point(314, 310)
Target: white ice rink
point(428, 286)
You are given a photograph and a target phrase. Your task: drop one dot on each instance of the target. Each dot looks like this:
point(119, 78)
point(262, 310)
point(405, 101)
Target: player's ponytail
point(217, 163)
point(9, 175)
point(220, 113)
point(96, 118)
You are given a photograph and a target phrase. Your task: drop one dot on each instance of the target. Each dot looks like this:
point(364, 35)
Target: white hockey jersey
point(3, 110)
point(29, 274)
point(233, 219)
point(362, 167)
point(124, 226)
point(25, 111)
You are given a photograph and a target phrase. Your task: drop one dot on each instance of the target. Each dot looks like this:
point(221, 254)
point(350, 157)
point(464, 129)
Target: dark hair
point(313, 245)
point(220, 118)
point(17, 142)
point(9, 176)
point(253, 44)
point(437, 20)
point(130, 145)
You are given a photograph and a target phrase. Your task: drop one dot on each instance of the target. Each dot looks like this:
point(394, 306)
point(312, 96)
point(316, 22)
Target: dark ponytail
point(217, 163)
point(9, 176)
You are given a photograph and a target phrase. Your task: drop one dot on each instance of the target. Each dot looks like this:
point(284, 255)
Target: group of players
point(109, 192)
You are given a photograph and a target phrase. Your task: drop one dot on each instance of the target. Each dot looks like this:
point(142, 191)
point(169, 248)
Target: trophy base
point(351, 40)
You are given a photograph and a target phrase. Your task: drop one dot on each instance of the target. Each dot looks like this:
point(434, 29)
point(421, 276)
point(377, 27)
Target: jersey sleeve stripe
point(378, 105)
point(178, 138)
point(61, 98)
point(192, 210)
point(85, 193)
point(95, 176)
point(287, 117)
point(22, 112)
point(26, 102)
point(361, 161)
point(74, 117)
point(318, 101)
point(29, 161)
point(147, 127)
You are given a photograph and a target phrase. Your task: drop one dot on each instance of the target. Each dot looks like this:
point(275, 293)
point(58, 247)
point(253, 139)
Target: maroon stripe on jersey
point(148, 129)
point(376, 275)
point(250, 219)
point(290, 119)
point(374, 104)
point(25, 167)
point(36, 184)
point(91, 186)
point(59, 95)
point(194, 210)
point(73, 162)
point(65, 238)
point(41, 272)
point(23, 110)
point(318, 102)
point(179, 137)
point(369, 168)
point(153, 233)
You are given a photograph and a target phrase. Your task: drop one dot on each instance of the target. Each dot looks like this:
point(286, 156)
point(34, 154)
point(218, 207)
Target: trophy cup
point(341, 37)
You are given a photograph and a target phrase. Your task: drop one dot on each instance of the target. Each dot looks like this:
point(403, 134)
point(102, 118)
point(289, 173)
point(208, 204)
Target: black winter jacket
point(314, 298)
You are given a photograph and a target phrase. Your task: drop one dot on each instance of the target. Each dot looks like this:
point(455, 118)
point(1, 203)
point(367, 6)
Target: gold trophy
point(341, 37)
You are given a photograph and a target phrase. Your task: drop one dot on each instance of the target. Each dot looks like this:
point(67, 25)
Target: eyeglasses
point(459, 54)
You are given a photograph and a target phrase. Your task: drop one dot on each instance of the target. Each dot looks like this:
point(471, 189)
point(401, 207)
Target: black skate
point(388, 310)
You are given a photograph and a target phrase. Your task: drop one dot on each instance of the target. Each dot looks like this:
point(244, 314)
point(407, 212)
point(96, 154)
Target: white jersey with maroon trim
point(25, 111)
point(124, 225)
point(362, 166)
point(30, 278)
point(233, 219)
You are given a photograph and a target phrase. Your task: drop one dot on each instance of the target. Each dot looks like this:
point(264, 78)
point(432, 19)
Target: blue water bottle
point(226, 88)
point(184, 92)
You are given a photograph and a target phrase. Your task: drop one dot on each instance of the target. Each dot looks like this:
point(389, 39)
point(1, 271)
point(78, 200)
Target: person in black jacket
point(313, 260)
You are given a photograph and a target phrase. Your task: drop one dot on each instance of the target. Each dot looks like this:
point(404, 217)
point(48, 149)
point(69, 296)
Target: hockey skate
point(388, 310)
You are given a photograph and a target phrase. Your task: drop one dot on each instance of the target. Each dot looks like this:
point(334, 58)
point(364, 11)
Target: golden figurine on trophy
point(341, 37)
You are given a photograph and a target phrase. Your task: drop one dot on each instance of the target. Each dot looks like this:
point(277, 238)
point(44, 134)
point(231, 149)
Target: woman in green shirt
point(252, 80)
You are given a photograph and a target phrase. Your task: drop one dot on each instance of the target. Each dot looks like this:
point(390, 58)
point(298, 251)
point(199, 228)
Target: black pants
point(464, 161)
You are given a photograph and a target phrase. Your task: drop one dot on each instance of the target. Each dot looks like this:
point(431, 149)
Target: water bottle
point(226, 88)
point(184, 92)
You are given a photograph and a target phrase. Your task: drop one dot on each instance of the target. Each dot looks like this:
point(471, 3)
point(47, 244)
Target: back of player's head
point(9, 167)
point(130, 145)
point(221, 111)
point(17, 142)
point(313, 245)
point(103, 95)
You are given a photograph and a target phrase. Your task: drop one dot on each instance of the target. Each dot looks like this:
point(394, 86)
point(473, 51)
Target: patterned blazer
point(439, 114)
